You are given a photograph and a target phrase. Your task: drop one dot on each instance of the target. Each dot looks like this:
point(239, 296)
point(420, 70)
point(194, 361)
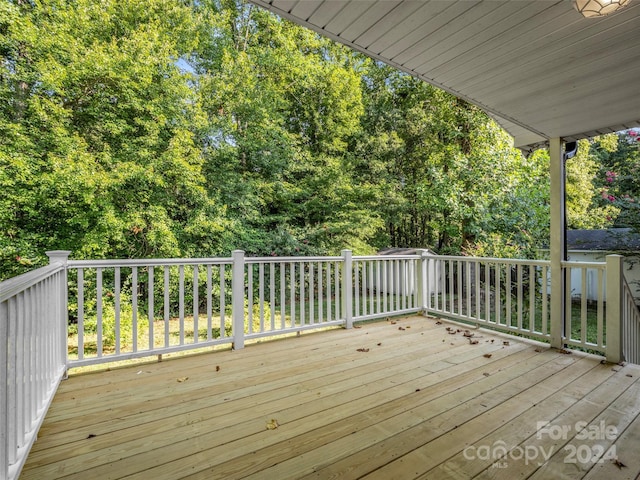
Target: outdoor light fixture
point(598, 8)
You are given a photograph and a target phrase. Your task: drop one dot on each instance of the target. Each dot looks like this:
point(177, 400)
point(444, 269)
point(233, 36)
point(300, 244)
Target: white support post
point(615, 290)
point(237, 296)
point(62, 257)
point(347, 288)
point(556, 242)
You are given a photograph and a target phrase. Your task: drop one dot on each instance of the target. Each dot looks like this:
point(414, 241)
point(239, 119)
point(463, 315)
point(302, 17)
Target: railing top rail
point(15, 285)
point(149, 262)
point(511, 261)
point(291, 259)
point(598, 265)
point(385, 257)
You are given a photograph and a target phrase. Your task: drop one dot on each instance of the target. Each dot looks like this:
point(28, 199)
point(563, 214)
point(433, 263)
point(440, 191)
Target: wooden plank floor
point(415, 402)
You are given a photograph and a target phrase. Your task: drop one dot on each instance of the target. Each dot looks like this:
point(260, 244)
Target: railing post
point(422, 280)
point(347, 288)
point(62, 257)
point(237, 295)
point(614, 308)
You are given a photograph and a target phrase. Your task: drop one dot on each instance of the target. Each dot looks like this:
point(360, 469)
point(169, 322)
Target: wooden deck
point(415, 402)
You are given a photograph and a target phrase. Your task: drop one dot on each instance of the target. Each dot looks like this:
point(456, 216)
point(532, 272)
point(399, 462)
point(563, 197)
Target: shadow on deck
point(404, 399)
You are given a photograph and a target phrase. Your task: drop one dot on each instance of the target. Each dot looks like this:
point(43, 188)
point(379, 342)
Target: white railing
point(384, 286)
point(506, 295)
point(33, 326)
point(630, 326)
point(585, 305)
point(75, 313)
point(122, 309)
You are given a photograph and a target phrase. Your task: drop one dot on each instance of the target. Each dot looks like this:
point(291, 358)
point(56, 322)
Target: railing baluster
point(283, 289)
point(99, 311)
point(134, 308)
point(167, 305)
point(80, 321)
point(272, 294)
point(312, 298)
point(223, 304)
point(196, 306)
point(209, 303)
point(320, 293)
point(261, 294)
point(250, 297)
point(181, 302)
point(302, 294)
point(116, 300)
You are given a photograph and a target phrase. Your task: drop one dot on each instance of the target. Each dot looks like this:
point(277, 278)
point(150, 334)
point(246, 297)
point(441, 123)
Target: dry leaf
point(401, 328)
point(506, 342)
point(492, 340)
point(537, 350)
point(393, 323)
point(451, 332)
point(486, 374)
point(629, 375)
point(438, 322)
point(91, 435)
point(564, 351)
point(467, 333)
point(217, 368)
point(182, 379)
point(357, 326)
point(272, 424)
point(362, 350)
point(487, 355)
point(473, 341)
point(449, 329)
point(379, 344)
point(408, 326)
point(618, 463)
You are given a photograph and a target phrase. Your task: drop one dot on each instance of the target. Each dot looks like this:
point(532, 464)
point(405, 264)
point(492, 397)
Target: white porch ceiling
point(537, 66)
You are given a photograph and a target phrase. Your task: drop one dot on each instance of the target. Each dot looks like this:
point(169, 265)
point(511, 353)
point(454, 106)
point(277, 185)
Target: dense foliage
point(154, 128)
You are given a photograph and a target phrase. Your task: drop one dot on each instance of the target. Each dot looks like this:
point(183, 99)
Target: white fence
point(33, 342)
point(121, 309)
point(506, 295)
point(74, 313)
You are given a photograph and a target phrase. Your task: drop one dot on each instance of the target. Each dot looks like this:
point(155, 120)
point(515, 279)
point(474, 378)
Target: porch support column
point(557, 241)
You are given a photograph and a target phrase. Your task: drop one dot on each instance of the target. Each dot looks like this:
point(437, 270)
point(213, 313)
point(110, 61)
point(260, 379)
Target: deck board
point(406, 408)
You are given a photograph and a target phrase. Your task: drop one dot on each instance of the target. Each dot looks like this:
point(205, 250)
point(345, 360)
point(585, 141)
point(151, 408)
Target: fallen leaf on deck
point(362, 350)
point(379, 344)
point(182, 379)
point(564, 351)
point(473, 341)
point(408, 326)
point(91, 435)
point(614, 369)
point(487, 355)
point(467, 333)
point(492, 340)
point(537, 350)
point(618, 463)
point(506, 342)
point(486, 374)
point(272, 424)
point(357, 326)
point(401, 328)
point(217, 368)
point(438, 322)
point(629, 375)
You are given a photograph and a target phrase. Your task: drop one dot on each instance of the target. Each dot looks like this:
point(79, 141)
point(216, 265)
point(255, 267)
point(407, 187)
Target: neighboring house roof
point(610, 240)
